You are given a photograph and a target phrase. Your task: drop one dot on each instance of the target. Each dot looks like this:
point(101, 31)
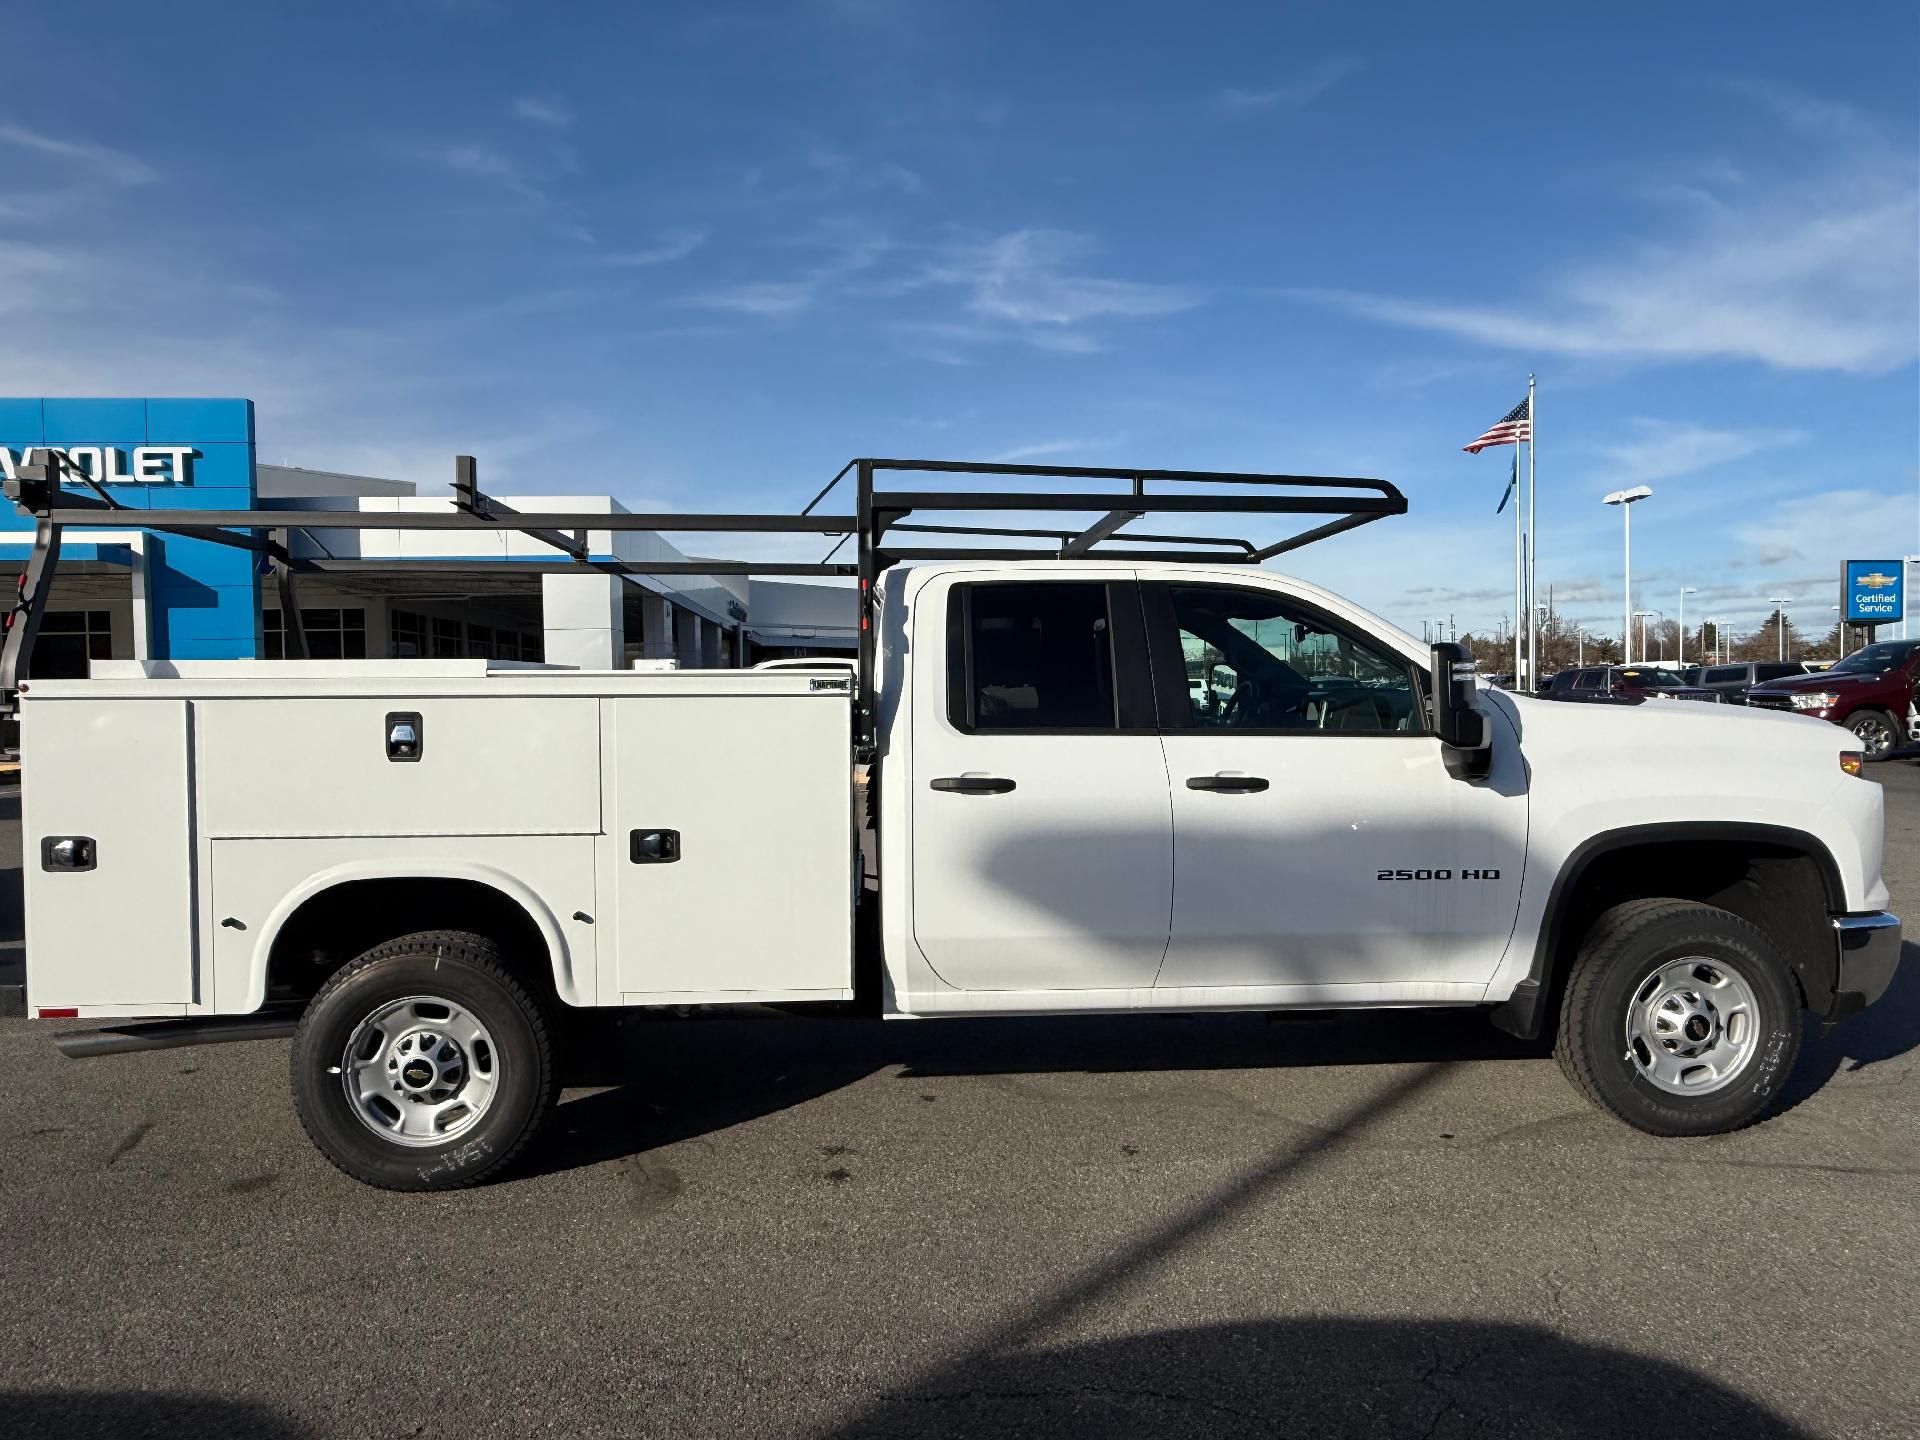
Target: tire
point(424, 1064)
point(1679, 1019)
point(1877, 731)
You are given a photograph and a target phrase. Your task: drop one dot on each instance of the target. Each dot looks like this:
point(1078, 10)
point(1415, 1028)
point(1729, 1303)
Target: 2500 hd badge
point(1437, 875)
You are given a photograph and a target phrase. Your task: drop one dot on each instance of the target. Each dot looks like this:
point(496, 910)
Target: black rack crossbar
point(1126, 496)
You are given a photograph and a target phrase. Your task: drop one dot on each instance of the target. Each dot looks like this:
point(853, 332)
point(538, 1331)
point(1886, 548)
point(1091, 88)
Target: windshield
point(1877, 659)
point(1641, 675)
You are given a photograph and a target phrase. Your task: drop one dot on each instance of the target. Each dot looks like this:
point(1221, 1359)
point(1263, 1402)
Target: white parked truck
point(1112, 778)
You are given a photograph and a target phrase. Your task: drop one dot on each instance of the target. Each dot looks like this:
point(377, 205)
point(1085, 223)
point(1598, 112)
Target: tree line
point(1564, 644)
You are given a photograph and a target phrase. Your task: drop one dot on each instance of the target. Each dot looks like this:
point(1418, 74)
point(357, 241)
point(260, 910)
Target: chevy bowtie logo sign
point(1873, 591)
point(111, 465)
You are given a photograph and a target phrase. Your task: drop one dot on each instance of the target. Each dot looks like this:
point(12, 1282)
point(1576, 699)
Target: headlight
point(1814, 699)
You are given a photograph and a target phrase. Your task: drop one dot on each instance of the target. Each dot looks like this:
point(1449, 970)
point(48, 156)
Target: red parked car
point(1870, 692)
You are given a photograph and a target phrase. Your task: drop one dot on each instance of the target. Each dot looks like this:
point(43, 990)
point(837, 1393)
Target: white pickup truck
point(1101, 781)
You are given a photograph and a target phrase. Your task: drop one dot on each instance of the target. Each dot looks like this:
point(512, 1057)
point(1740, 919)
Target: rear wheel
point(1679, 1018)
point(424, 1064)
point(1876, 730)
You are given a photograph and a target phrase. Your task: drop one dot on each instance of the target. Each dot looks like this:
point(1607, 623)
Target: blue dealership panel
point(1874, 591)
point(203, 599)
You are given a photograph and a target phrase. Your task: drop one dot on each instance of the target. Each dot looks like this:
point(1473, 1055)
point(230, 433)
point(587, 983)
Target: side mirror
point(1466, 736)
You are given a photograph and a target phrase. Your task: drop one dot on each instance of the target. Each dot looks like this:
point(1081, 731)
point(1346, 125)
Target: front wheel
point(1876, 731)
point(424, 1064)
point(1679, 1018)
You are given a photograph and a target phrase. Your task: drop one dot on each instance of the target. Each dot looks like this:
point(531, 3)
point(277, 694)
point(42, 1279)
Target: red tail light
point(59, 1012)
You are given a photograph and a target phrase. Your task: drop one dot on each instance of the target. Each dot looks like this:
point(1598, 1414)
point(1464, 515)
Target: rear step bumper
point(173, 1034)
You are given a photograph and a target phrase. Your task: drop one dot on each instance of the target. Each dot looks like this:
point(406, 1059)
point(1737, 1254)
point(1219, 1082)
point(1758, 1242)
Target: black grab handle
point(973, 784)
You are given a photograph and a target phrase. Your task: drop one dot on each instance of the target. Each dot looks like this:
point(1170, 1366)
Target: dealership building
point(134, 593)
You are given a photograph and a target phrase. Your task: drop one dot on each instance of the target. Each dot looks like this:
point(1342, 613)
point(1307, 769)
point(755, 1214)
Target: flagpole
point(1518, 598)
point(1533, 549)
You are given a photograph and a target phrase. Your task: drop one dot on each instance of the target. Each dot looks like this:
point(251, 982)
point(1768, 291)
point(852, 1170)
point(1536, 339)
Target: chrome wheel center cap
point(1684, 1021)
point(427, 1067)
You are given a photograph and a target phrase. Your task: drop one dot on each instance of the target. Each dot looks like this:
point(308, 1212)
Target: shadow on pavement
point(70, 1415)
point(1334, 1377)
point(663, 1081)
point(1883, 1031)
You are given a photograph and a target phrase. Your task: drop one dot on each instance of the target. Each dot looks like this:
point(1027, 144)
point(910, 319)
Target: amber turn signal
point(1851, 760)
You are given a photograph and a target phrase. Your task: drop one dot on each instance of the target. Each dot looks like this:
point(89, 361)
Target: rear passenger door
point(1042, 841)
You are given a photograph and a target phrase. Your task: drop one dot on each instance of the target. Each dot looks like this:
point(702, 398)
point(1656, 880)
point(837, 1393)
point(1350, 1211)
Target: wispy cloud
point(850, 172)
point(846, 252)
point(1817, 272)
point(1296, 92)
point(1046, 448)
point(476, 161)
point(547, 110)
point(1031, 280)
point(1662, 449)
point(766, 298)
point(667, 247)
point(109, 164)
point(1827, 527)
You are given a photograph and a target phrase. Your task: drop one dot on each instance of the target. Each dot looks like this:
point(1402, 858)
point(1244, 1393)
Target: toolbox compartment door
point(730, 848)
point(114, 772)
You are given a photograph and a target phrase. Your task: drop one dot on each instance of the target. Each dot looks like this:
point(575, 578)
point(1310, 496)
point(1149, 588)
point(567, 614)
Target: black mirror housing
point(1466, 735)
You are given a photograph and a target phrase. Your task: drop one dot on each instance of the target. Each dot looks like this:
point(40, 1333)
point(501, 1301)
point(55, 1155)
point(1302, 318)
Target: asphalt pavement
point(1399, 1225)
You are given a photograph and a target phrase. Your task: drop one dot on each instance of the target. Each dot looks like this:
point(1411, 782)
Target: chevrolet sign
point(1873, 591)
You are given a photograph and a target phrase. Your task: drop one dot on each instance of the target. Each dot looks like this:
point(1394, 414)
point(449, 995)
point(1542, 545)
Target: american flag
point(1510, 429)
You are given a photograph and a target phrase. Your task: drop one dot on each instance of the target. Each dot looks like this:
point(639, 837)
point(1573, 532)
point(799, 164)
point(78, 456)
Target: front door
point(1042, 839)
point(1318, 838)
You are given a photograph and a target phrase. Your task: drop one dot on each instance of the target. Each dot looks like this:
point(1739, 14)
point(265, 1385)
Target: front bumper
point(1867, 951)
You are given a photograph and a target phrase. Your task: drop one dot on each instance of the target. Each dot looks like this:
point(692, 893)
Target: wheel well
point(1786, 887)
point(334, 925)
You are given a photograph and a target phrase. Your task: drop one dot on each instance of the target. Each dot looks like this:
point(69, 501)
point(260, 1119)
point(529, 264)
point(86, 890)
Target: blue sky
point(698, 255)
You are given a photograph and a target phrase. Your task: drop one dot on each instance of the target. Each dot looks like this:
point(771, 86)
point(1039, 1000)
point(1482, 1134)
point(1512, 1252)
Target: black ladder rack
point(1118, 497)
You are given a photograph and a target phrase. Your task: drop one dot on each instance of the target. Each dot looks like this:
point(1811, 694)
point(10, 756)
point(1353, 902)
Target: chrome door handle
point(973, 784)
point(1227, 784)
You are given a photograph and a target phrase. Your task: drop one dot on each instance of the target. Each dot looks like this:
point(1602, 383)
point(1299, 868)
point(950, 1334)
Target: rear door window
point(1035, 657)
point(1778, 671)
point(1589, 679)
point(1726, 674)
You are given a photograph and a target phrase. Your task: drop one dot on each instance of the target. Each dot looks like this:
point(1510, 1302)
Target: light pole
point(1580, 643)
point(1779, 624)
point(1624, 499)
point(1685, 590)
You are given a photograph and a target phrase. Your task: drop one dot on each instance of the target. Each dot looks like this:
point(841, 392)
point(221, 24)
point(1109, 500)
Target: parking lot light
point(1624, 499)
point(1685, 590)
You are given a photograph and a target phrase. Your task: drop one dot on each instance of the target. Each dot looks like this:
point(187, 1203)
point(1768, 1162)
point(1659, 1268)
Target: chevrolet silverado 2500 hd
point(429, 862)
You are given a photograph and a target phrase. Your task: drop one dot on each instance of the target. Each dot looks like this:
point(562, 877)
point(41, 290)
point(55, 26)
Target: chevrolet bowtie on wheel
point(1041, 721)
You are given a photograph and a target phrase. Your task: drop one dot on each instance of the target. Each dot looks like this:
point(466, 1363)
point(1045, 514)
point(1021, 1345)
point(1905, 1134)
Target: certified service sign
point(1875, 591)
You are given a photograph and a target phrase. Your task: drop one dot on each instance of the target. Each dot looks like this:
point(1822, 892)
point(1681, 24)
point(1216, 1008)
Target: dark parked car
point(1870, 692)
point(1624, 682)
point(1734, 681)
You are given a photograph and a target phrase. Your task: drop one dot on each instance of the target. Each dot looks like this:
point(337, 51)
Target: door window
point(1726, 674)
point(1590, 679)
point(1253, 660)
point(1779, 671)
point(1032, 657)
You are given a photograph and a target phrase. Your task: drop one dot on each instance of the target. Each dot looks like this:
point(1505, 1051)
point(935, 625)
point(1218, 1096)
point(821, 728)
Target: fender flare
point(1523, 1013)
point(401, 867)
